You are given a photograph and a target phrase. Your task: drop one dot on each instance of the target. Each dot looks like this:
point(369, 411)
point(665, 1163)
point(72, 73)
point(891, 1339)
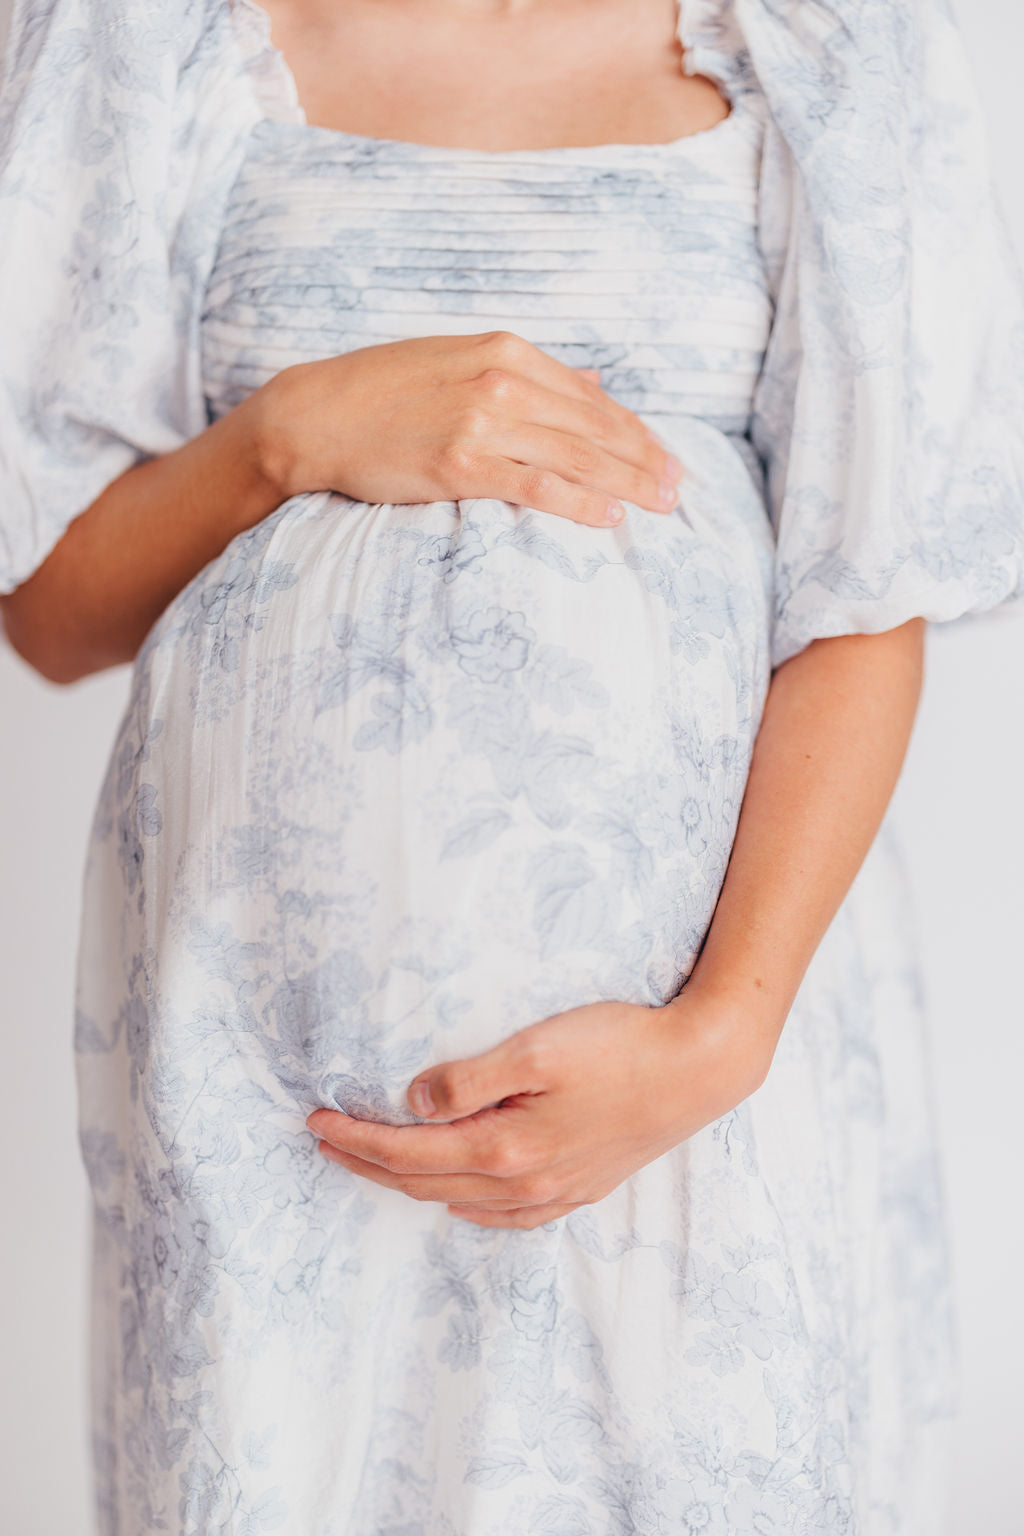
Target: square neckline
point(274, 60)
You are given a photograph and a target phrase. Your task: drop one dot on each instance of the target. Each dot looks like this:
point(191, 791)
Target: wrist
point(737, 1025)
point(274, 415)
point(756, 1005)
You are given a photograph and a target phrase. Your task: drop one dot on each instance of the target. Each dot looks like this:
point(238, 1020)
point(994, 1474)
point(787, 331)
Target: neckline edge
point(267, 57)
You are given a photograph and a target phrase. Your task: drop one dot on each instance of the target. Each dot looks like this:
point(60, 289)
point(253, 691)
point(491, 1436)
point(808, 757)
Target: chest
point(569, 73)
point(641, 261)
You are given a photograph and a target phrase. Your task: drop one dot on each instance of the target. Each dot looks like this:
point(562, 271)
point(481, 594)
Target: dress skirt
point(395, 782)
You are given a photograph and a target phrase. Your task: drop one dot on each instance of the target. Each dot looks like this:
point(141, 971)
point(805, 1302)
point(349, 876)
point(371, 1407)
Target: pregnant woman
point(510, 438)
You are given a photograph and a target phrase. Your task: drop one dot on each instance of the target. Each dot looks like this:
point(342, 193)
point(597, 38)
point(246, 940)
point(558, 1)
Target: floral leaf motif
point(560, 1516)
point(530, 539)
point(569, 907)
point(150, 820)
point(89, 1038)
point(460, 1350)
point(560, 681)
point(566, 1433)
point(534, 1302)
point(353, 675)
point(716, 1350)
point(275, 576)
point(265, 1515)
point(549, 770)
point(189, 1357)
point(476, 832)
point(343, 630)
point(256, 1448)
point(402, 717)
point(102, 1157)
point(494, 1471)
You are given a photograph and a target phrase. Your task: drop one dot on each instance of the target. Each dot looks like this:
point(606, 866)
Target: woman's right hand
point(439, 418)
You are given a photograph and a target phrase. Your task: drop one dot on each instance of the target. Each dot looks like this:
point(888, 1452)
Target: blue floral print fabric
point(395, 781)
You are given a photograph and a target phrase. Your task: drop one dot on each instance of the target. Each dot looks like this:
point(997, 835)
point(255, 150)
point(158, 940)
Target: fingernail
point(674, 468)
point(667, 493)
point(615, 513)
point(419, 1098)
point(652, 435)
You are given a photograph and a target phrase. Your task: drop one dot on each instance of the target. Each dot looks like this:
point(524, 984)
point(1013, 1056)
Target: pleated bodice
point(640, 260)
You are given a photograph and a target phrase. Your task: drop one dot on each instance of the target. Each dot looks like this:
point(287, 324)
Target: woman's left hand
point(559, 1114)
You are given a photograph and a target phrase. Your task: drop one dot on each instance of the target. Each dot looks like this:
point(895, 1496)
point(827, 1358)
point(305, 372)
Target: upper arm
point(119, 139)
point(890, 410)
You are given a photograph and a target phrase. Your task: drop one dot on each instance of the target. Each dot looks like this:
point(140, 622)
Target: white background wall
point(961, 810)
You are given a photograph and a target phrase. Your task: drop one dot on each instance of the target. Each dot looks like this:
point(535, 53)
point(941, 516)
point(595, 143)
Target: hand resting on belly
point(431, 418)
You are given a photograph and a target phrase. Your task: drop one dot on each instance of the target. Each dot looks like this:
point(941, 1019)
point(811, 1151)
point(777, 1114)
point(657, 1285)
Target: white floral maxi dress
point(395, 781)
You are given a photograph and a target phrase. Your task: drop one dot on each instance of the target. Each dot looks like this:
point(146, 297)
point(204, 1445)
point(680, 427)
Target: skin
point(521, 1136)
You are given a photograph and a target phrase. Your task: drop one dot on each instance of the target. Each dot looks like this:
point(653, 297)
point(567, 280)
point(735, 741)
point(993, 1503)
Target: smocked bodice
point(640, 260)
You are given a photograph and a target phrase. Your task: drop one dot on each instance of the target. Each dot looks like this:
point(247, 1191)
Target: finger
point(461, 1188)
point(542, 490)
point(458, 1088)
point(406, 1149)
point(523, 1219)
point(499, 395)
point(601, 417)
point(617, 431)
point(584, 462)
point(508, 354)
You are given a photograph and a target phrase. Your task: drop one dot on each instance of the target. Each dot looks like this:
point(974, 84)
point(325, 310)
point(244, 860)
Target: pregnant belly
point(397, 780)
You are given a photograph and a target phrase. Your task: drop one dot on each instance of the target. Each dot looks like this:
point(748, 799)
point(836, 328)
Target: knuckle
point(536, 1189)
point(504, 346)
point(583, 456)
point(450, 1090)
point(495, 384)
point(504, 1160)
point(538, 485)
point(455, 460)
point(642, 487)
point(655, 460)
point(599, 426)
point(590, 507)
point(473, 423)
point(533, 1056)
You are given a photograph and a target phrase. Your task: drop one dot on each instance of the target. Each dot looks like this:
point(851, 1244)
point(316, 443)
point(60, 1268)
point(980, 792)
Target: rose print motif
point(557, 720)
point(492, 643)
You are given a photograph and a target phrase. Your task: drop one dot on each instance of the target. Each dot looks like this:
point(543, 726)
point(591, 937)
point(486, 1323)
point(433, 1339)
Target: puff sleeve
point(121, 129)
point(890, 410)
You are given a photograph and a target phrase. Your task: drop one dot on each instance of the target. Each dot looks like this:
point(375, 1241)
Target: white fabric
point(396, 780)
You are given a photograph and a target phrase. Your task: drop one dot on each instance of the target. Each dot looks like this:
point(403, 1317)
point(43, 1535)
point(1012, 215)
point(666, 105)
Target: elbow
point(41, 645)
point(59, 670)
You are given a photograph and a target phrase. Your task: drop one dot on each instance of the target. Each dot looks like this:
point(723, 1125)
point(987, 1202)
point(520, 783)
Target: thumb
point(457, 1088)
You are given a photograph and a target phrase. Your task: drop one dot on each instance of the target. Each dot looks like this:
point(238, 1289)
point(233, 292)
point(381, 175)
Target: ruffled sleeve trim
point(272, 82)
point(713, 45)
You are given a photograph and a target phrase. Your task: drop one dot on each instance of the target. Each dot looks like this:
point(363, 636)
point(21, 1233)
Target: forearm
point(93, 600)
point(829, 752)
point(431, 418)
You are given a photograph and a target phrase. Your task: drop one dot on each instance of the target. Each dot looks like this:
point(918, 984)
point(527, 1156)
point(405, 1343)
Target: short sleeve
point(890, 410)
point(121, 129)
